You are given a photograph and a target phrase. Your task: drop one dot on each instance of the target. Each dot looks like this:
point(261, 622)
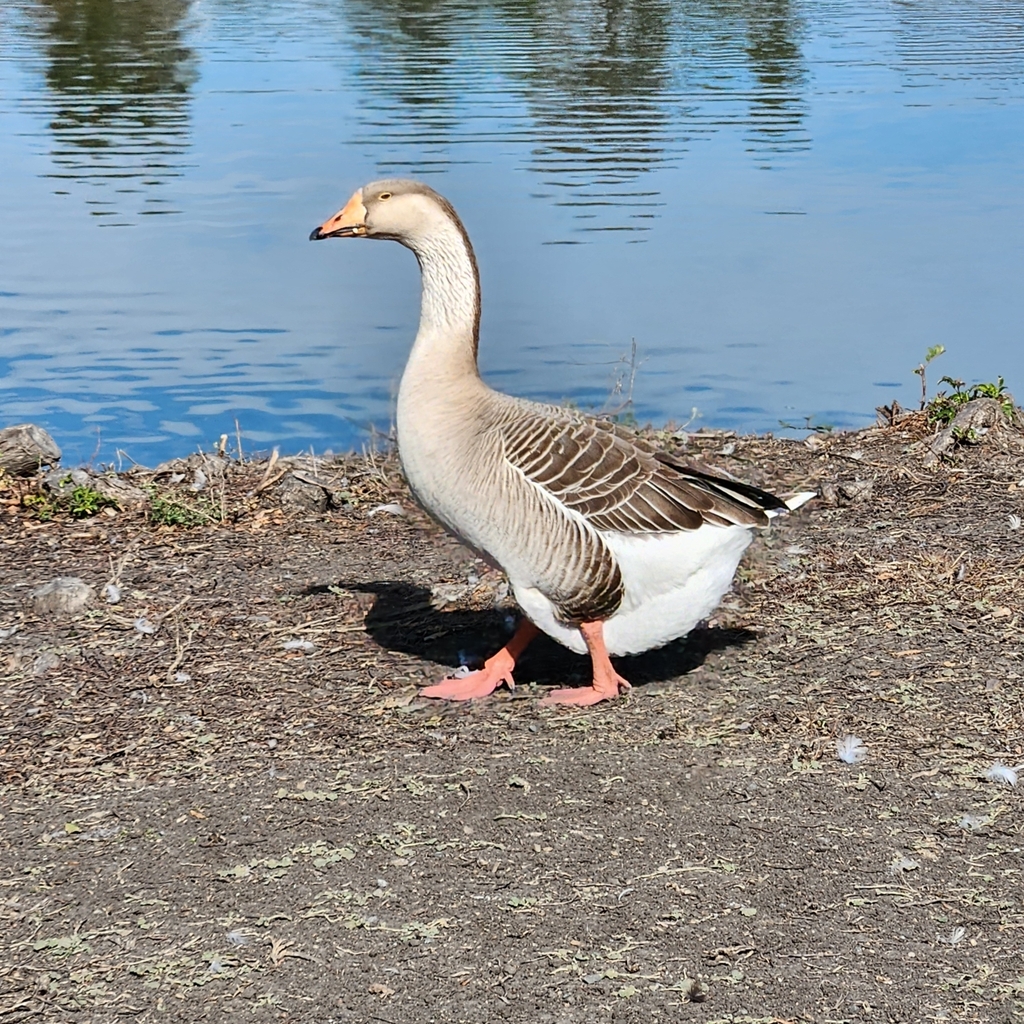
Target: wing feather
point(619, 483)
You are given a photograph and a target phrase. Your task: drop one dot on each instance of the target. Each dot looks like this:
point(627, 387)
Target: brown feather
point(617, 481)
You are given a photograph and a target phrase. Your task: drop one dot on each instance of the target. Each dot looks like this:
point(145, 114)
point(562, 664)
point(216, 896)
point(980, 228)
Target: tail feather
point(792, 504)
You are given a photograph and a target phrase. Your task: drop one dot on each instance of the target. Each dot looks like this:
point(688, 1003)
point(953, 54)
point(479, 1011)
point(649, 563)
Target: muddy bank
point(222, 796)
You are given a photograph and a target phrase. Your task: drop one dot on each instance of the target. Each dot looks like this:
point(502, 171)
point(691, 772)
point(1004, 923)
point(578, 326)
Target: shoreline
point(230, 798)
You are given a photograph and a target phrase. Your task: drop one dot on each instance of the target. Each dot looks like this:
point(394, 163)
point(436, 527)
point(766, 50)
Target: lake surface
point(783, 204)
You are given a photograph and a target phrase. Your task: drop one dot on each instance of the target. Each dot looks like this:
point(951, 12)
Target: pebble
point(66, 595)
point(44, 663)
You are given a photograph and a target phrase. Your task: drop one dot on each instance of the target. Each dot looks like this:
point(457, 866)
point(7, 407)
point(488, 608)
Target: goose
point(610, 546)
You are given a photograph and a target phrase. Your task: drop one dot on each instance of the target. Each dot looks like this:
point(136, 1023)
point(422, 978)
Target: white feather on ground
point(392, 508)
point(851, 749)
point(1002, 773)
point(972, 822)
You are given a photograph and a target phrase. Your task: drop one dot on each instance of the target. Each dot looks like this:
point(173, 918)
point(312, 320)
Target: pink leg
point(496, 670)
point(607, 682)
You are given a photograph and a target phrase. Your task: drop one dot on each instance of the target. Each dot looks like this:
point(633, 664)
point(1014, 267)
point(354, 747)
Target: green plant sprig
point(942, 409)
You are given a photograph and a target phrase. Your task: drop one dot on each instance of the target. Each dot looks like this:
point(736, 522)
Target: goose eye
point(384, 195)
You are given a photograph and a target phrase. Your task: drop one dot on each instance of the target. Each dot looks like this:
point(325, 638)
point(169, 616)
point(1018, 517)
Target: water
point(783, 203)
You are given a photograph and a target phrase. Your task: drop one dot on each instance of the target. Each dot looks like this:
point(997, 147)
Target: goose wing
point(619, 483)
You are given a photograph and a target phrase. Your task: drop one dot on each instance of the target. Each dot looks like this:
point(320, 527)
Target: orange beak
point(346, 223)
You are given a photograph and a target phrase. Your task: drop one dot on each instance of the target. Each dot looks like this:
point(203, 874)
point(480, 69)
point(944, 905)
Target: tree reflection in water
point(606, 90)
point(119, 76)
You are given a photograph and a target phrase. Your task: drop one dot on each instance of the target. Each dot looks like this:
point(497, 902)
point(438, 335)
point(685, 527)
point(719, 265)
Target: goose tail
point(793, 503)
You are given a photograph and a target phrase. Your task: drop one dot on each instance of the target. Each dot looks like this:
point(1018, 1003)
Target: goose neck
point(446, 342)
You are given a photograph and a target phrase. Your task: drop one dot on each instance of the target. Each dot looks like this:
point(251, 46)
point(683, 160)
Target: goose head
point(415, 215)
point(394, 208)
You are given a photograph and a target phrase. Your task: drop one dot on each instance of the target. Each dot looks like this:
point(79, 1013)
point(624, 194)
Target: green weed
point(80, 502)
point(933, 353)
point(942, 409)
point(84, 501)
point(167, 511)
point(40, 506)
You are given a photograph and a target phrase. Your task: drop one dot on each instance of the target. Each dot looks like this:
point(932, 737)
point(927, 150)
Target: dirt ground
point(240, 808)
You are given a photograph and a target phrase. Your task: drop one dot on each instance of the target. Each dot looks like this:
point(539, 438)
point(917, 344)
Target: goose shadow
point(402, 618)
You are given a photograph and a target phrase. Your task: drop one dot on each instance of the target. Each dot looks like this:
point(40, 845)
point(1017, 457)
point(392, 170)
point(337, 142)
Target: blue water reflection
point(784, 203)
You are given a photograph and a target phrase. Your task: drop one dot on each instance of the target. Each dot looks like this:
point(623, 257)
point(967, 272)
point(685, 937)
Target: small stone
point(66, 595)
point(302, 494)
point(46, 661)
point(856, 490)
point(61, 482)
point(25, 447)
point(847, 491)
point(117, 490)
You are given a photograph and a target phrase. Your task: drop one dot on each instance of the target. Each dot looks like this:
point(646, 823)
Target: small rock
point(847, 491)
point(303, 494)
point(118, 490)
point(25, 447)
point(979, 415)
point(66, 595)
point(61, 482)
point(44, 663)
point(857, 490)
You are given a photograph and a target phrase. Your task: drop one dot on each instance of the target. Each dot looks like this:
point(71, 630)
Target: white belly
point(671, 582)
